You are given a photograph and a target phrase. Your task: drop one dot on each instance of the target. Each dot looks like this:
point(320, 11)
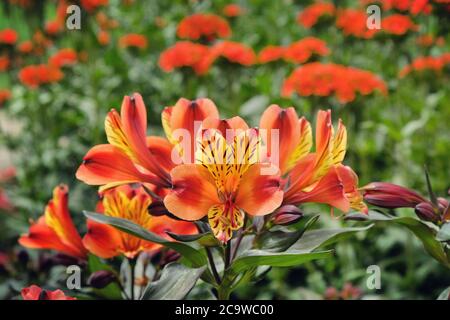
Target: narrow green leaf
point(175, 283)
point(206, 239)
point(195, 257)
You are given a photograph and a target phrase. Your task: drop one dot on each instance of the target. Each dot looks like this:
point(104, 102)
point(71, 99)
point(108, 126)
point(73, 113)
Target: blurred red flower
point(184, 54)
point(25, 47)
point(300, 51)
point(103, 38)
point(92, 5)
point(36, 75)
point(133, 40)
point(325, 79)
point(353, 23)
point(63, 57)
point(235, 52)
point(271, 53)
point(4, 62)
point(5, 95)
point(53, 27)
point(209, 26)
point(232, 10)
point(34, 292)
point(435, 64)
point(398, 24)
point(8, 36)
point(312, 13)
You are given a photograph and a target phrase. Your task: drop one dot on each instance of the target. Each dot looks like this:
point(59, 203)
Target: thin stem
point(227, 255)
point(213, 265)
point(132, 263)
point(239, 239)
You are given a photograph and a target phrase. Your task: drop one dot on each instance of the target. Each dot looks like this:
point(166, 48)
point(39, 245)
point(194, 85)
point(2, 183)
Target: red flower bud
point(286, 215)
point(389, 195)
point(426, 211)
point(101, 279)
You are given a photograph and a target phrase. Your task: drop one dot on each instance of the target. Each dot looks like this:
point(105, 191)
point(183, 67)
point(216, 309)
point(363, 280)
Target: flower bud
point(426, 211)
point(101, 279)
point(443, 204)
point(389, 195)
point(286, 215)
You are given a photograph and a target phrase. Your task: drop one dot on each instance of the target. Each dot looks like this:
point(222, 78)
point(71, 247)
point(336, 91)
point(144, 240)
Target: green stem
point(227, 255)
point(132, 263)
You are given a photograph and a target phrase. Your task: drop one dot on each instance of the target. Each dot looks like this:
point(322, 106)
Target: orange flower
point(26, 47)
point(92, 5)
point(184, 54)
point(209, 26)
point(182, 122)
point(63, 57)
point(131, 204)
point(398, 24)
point(130, 156)
point(4, 62)
point(5, 95)
point(271, 53)
point(312, 13)
point(325, 79)
point(55, 229)
point(53, 27)
point(302, 50)
point(103, 37)
point(353, 22)
point(133, 40)
point(33, 292)
point(235, 52)
point(8, 36)
point(232, 10)
point(311, 177)
point(225, 183)
point(36, 75)
point(430, 63)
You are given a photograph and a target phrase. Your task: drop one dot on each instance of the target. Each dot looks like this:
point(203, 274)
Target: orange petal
point(162, 151)
point(286, 121)
point(102, 240)
point(300, 176)
point(259, 190)
point(339, 143)
point(350, 181)
point(193, 192)
point(324, 134)
point(303, 147)
point(228, 127)
point(329, 190)
point(106, 165)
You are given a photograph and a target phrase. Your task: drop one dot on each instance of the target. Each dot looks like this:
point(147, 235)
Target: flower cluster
point(312, 13)
point(325, 79)
point(297, 52)
point(133, 40)
point(208, 26)
point(431, 63)
point(36, 75)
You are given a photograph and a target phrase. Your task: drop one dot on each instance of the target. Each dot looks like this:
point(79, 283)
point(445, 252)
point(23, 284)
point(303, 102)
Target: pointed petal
point(193, 192)
point(324, 133)
point(162, 151)
point(224, 220)
point(339, 144)
point(259, 192)
point(304, 146)
point(102, 240)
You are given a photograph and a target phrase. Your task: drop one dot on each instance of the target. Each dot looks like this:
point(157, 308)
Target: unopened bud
point(101, 279)
point(443, 204)
point(389, 195)
point(426, 211)
point(170, 256)
point(286, 215)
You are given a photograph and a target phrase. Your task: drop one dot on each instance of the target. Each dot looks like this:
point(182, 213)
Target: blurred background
point(56, 86)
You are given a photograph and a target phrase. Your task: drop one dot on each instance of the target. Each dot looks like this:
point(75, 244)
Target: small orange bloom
point(34, 292)
point(55, 229)
point(130, 156)
point(398, 24)
point(302, 50)
point(312, 13)
point(4, 62)
point(133, 40)
point(92, 5)
point(232, 10)
point(184, 54)
point(132, 204)
point(36, 75)
point(8, 36)
point(53, 27)
point(5, 95)
point(235, 52)
point(26, 47)
point(430, 63)
point(63, 57)
point(103, 37)
point(209, 26)
point(353, 23)
point(271, 53)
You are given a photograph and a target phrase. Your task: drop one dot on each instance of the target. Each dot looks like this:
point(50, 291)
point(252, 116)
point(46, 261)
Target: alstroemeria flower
point(132, 204)
point(182, 122)
point(55, 229)
point(226, 182)
point(130, 156)
point(312, 176)
point(34, 292)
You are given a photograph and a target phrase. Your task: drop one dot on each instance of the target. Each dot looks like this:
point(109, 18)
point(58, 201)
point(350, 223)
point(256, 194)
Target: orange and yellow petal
point(224, 219)
point(102, 240)
point(259, 190)
point(193, 192)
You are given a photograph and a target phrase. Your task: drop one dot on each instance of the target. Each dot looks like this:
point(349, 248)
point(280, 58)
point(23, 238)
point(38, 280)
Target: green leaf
point(314, 239)
point(278, 241)
point(175, 283)
point(443, 234)
point(425, 233)
point(445, 295)
point(253, 258)
point(112, 290)
point(206, 239)
point(195, 257)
